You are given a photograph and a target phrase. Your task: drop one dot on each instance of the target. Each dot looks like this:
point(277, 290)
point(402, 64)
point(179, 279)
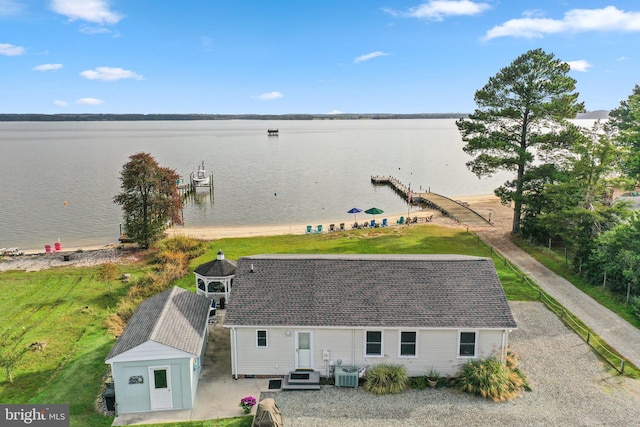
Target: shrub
point(386, 379)
point(419, 383)
point(491, 379)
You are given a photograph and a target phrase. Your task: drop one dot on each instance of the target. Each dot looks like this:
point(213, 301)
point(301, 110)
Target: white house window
point(373, 344)
point(408, 341)
point(261, 338)
point(467, 344)
point(201, 284)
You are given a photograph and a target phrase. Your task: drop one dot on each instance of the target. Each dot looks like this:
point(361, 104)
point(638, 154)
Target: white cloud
point(270, 95)
point(96, 11)
point(580, 65)
point(369, 56)
point(91, 30)
point(47, 67)
point(110, 74)
point(609, 18)
point(335, 112)
point(8, 49)
point(89, 101)
point(10, 7)
point(623, 58)
point(59, 103)
point(437, 10)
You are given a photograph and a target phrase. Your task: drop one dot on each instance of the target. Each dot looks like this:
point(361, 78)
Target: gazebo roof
point(219, 267)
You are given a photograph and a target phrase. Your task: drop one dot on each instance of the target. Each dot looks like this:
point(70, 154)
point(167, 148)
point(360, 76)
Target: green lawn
point(66, 307)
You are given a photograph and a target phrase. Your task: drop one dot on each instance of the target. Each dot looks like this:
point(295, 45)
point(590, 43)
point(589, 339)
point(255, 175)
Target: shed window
point(467, 344)
point(408, 343)
point(261, 338)
point(373, 345)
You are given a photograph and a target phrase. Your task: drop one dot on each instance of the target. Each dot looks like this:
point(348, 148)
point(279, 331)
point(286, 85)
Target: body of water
point(59, 179)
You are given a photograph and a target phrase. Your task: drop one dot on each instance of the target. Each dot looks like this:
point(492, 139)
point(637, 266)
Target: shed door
point(160, 383)
point(303, 350)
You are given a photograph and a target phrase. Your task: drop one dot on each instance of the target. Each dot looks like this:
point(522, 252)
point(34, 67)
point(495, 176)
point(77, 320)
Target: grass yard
point(64, 310)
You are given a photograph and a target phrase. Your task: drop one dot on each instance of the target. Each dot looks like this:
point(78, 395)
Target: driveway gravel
point(571, 387)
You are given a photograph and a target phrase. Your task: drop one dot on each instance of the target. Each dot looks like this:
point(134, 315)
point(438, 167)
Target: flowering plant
point(246, 403)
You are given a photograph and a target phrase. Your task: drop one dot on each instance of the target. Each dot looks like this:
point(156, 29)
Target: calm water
point(313, 172)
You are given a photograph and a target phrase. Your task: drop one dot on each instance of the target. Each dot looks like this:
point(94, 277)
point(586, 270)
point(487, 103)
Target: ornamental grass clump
point(492, 379)
point(386, 379)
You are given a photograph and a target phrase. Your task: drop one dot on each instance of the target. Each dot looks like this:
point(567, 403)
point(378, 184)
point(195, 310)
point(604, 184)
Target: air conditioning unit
point(346, 376)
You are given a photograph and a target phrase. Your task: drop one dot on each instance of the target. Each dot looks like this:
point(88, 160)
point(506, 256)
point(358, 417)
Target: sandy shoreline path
point(96, 254)
point(485, 203)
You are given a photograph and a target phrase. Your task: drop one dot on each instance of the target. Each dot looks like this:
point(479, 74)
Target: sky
point(302, 56)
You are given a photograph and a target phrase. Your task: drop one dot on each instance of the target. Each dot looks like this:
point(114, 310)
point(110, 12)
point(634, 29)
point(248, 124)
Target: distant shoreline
point(157, 117)
point(70, 117)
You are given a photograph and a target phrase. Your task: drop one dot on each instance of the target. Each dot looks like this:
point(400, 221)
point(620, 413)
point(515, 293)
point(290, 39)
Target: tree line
point(564, 175)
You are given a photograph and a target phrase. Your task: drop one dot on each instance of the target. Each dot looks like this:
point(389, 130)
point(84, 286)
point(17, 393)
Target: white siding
point(150, 350)
point(437, 349)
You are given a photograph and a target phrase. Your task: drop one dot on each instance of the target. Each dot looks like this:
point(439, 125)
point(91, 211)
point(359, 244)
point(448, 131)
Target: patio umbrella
point(374, 211)
point(354, 211)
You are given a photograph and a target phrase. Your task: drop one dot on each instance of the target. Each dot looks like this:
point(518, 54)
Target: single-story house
point(156, 362)
point(313, 312)
point(214, 279)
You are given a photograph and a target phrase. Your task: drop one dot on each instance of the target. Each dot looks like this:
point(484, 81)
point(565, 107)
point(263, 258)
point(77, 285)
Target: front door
point(304, 353)
point(160, 383)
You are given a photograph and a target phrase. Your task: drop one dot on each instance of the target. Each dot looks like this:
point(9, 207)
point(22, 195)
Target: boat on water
point(272, 131)
point(201, 178)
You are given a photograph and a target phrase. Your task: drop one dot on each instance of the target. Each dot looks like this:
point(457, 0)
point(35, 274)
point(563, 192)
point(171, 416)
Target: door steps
point(301, 380)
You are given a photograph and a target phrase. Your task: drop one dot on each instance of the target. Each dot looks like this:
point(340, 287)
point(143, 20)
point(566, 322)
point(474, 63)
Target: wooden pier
point(189, 187)
point(455, 210)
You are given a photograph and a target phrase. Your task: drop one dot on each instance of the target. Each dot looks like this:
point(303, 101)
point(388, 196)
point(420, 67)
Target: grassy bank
point(557, 263)
point(65, 308)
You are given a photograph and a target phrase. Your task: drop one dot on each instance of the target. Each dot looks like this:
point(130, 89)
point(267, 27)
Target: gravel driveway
point(571, 387)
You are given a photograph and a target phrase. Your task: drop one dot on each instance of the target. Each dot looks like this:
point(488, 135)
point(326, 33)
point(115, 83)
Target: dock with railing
point(457, 210)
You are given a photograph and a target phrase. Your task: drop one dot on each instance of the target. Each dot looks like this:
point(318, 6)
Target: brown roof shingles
point(431, 291)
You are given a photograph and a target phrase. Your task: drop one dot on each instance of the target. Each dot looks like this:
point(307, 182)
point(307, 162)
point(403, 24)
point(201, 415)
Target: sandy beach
point(483, 204)
point(486, 205)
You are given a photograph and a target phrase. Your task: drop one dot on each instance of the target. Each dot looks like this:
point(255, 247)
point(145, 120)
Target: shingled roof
point(175, 318)
point(219, 267)
point(431, 291)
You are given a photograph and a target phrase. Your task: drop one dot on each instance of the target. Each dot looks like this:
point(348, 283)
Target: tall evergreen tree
point(521, 119)
point(150, 200)
point(626, 121)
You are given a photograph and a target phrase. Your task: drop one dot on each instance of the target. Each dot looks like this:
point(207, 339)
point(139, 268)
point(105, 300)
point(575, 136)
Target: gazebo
point(215, 278)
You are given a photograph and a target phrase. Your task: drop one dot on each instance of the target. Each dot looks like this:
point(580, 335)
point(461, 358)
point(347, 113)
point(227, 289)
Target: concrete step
point(301, 380)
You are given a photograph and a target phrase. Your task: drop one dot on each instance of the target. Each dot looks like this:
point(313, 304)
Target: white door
point(160, 383)
point(304, 350)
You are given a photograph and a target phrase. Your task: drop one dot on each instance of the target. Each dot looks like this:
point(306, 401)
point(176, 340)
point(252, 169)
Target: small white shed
point(156, 362)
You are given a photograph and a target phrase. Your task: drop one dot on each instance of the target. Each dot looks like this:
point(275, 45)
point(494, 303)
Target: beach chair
point(342, 226)
point(57, 246)
point(309, 229)
point(400, 220)
point(384, 222)
point(332, 228)
point(319, 229)
point(414, 220)
point(47, 249)
point(355, 225)
point(365, 224)
point(373, 223)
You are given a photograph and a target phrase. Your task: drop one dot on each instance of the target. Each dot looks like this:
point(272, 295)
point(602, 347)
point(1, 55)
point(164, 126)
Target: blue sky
point(278, 57)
